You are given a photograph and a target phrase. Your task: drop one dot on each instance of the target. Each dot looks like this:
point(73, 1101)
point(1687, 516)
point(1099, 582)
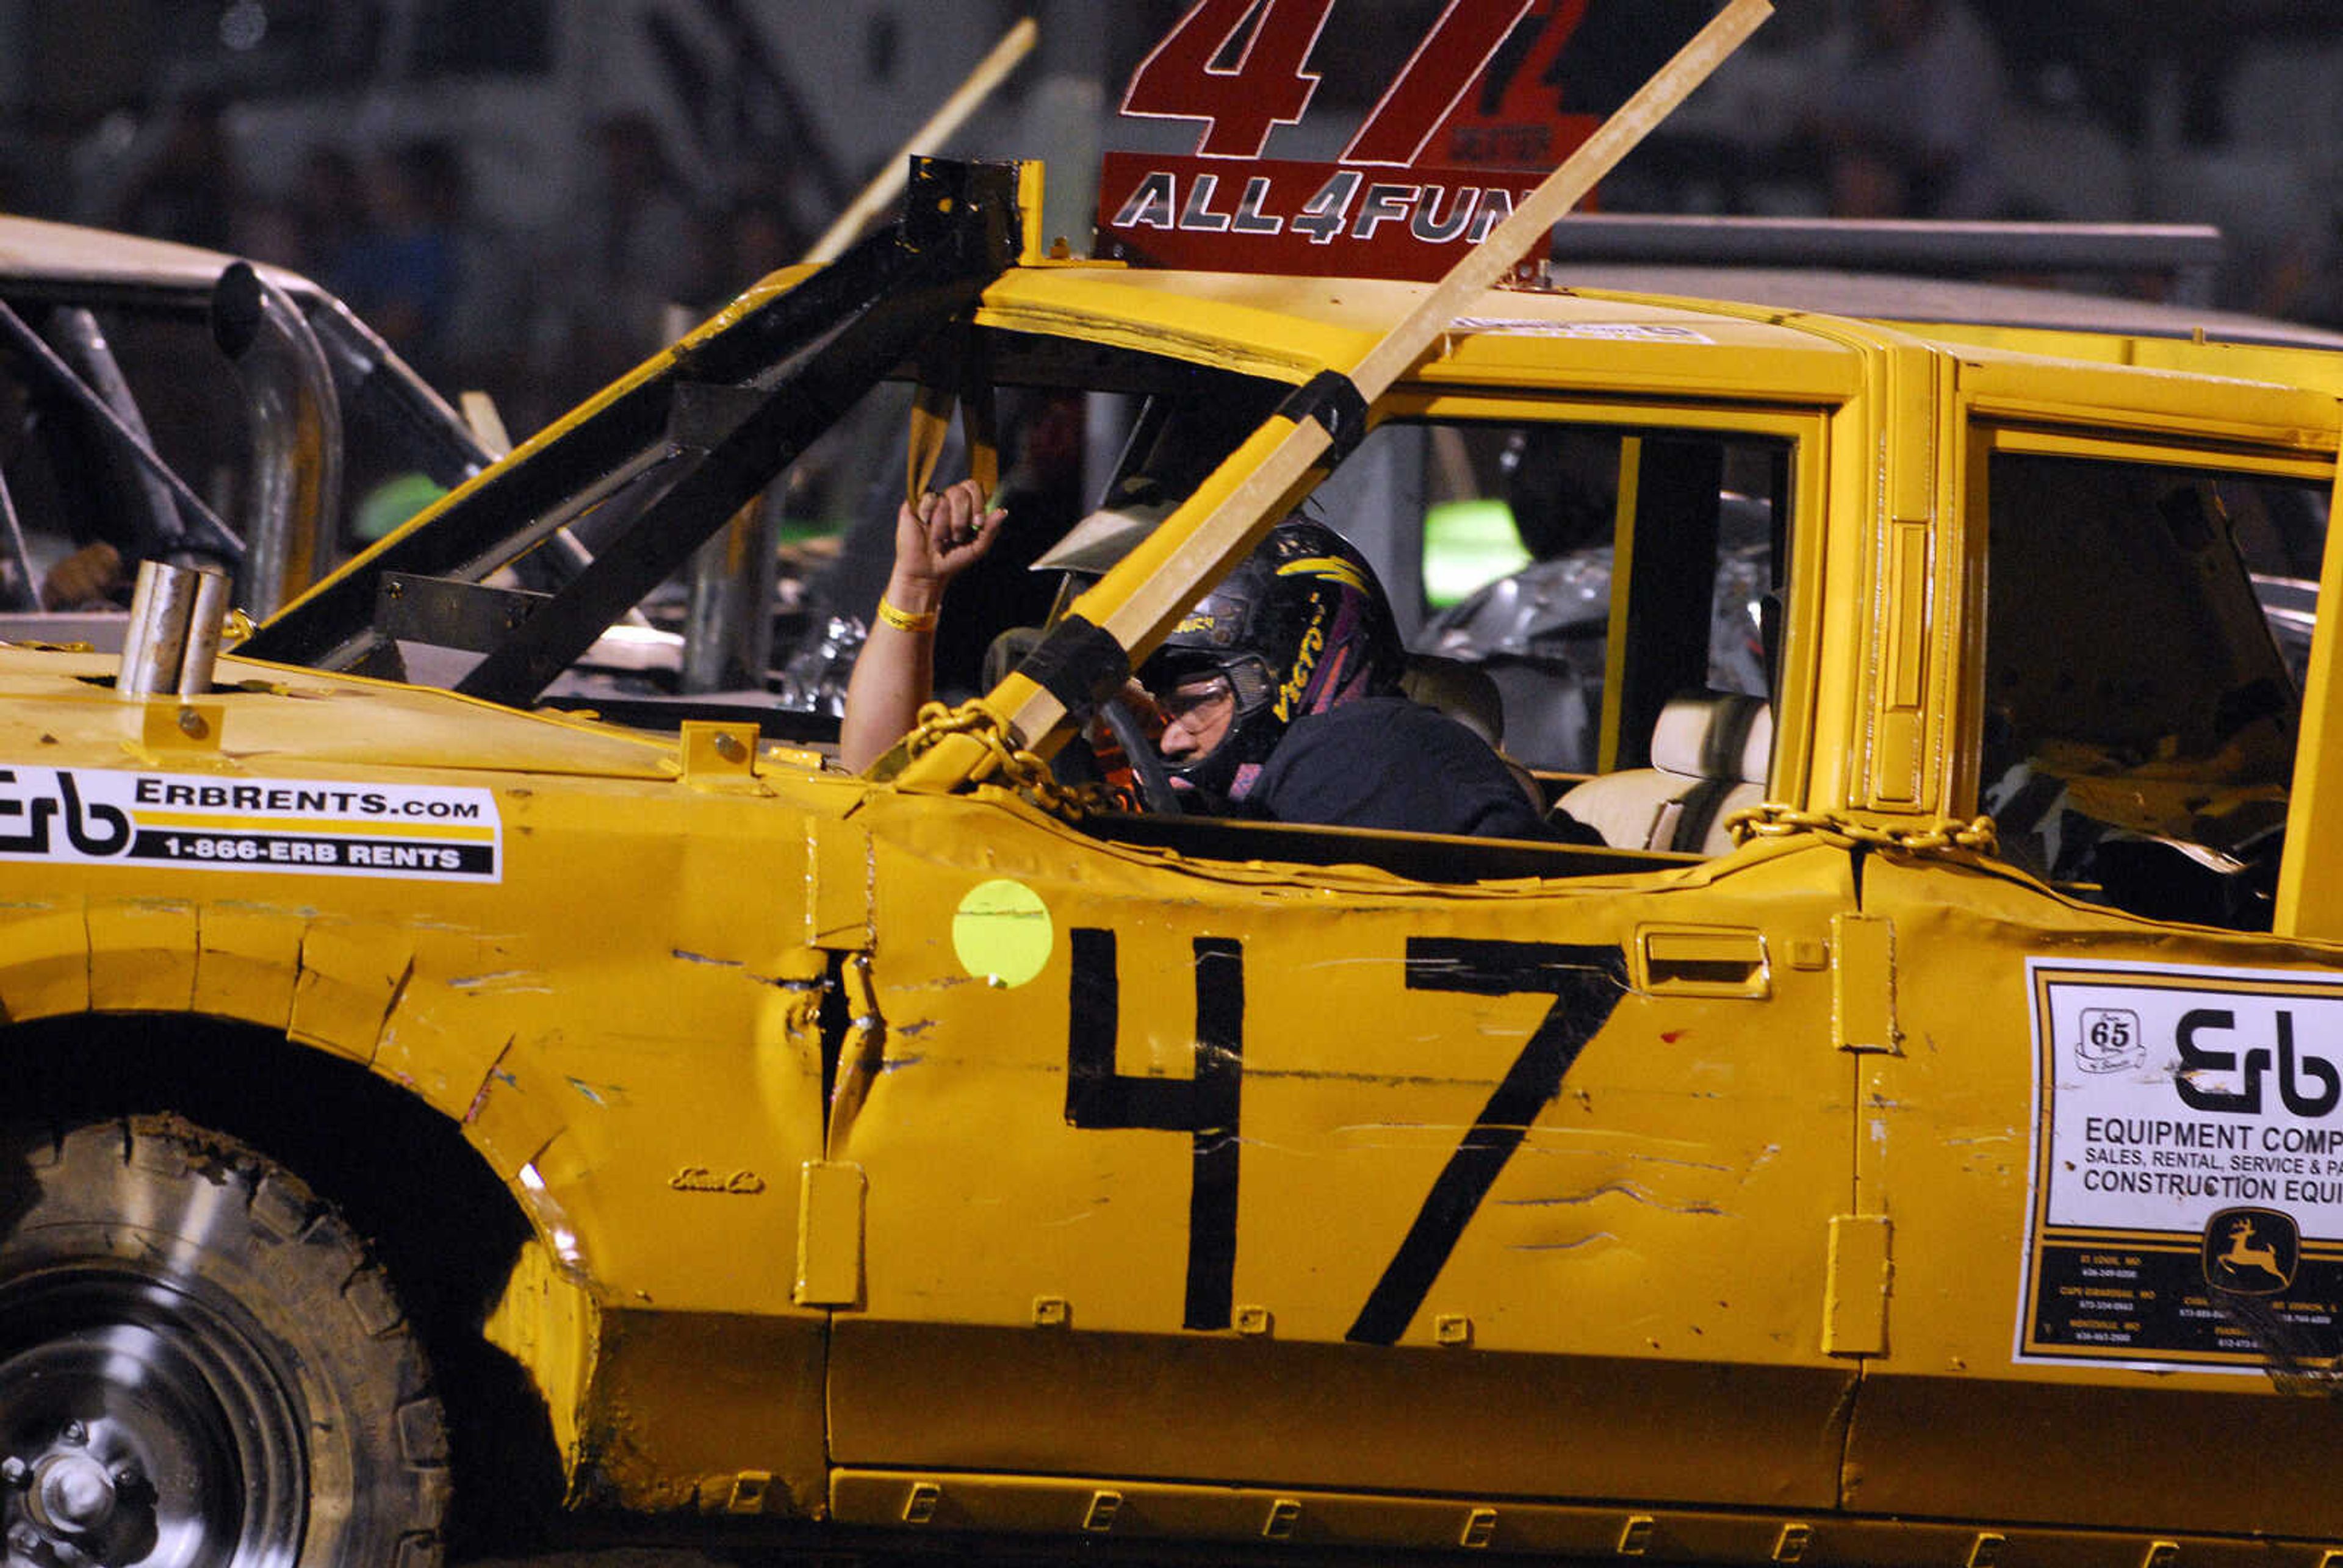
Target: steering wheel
point(1155, 791)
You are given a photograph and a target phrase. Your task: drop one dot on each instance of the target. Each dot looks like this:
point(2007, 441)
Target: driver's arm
point(945, 535)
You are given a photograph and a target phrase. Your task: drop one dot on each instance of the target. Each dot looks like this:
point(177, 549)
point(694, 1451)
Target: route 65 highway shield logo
point(2251, 1251)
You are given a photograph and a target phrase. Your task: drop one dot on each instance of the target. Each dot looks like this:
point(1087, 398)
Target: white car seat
point(1709, 754)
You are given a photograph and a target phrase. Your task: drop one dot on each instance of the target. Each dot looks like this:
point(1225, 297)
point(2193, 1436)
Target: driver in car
point(1277, 696)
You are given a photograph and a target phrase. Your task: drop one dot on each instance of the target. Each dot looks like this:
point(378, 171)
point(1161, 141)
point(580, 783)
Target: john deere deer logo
point(2242, 1255)
point(2250, 1251)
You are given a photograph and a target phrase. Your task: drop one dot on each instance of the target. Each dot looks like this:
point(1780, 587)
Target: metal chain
point(1934, 836)
point(1022, 771)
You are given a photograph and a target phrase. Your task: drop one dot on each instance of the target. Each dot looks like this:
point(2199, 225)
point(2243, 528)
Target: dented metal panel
point(1306, 1522)
point(248, 961)
point(831, 1198)
point(1959, 1114)
point(838, 885)
point(1863, 979)
point(929, 1160)
point(351, 972)
point(142, 953)
point(1425, 1151)
point(1854, 1312)
point(644, 1072)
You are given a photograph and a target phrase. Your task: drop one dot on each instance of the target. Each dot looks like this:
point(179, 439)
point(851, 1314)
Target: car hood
point(265, 712)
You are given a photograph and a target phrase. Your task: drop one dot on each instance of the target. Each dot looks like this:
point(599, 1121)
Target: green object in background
point(391, 502)
point(1465, 544)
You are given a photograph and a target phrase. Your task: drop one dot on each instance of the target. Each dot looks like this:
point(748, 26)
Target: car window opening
point(1638, 704)
point(2142, 699)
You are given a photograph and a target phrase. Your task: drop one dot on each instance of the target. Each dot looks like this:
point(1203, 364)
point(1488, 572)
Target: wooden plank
point(1138, 601)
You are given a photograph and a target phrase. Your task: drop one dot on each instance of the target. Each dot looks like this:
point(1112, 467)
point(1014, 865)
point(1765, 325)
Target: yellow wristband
point(903, 619)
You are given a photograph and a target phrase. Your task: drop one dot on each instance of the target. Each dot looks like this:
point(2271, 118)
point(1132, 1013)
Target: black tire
point(200, 1365)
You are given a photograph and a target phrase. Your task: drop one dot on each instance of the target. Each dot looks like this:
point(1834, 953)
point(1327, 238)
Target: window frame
point(1992, 436)
point(1806, 432)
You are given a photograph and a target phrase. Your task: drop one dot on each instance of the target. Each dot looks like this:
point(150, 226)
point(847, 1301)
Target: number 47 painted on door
point(1269, 83)
point(1585, 982)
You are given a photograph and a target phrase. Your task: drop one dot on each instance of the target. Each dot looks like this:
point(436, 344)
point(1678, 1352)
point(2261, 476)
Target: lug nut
point(128, 1477)
point(24, 1540)
point(74, 1435)
point(14, 1472)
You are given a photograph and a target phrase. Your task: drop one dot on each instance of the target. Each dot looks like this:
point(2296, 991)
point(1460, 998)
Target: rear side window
point(2141, 709)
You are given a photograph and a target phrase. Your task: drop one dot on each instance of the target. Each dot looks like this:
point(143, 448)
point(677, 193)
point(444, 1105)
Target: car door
point(2108, 1139)
point(1348, 1162)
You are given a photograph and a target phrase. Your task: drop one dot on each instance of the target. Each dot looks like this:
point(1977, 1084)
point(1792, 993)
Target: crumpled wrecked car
point(1912, 1136)
point(162, 401)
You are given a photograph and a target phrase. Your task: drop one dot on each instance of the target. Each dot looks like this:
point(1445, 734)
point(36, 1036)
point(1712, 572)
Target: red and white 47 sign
point(1467, 128)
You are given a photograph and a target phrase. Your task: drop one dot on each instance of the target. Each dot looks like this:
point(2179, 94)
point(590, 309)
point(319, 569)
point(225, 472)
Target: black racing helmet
point(1300, 626)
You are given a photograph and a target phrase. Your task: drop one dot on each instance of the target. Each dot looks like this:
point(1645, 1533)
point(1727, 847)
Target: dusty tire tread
point(422, 1433)
point(282, 1213)
point(368, 1296)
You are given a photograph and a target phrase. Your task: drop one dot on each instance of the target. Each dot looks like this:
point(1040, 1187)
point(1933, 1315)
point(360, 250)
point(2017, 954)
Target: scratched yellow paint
point(1244, 1179)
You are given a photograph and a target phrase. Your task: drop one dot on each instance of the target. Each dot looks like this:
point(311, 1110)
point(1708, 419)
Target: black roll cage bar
point(677, 448)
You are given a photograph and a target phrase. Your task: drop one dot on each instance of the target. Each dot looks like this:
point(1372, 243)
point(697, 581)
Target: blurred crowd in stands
point(1869, 107)
point(394, 231)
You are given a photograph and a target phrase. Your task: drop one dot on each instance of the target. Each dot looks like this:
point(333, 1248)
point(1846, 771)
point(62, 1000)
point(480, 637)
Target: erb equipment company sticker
point(2187, 1173)
point(95, 816)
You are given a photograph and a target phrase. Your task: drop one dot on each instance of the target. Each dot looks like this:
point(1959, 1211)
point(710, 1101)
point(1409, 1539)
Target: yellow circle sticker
point(1002, 932)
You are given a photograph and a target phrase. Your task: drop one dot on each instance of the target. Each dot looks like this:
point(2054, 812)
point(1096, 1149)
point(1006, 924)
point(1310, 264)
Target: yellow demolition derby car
point(1915, 1138)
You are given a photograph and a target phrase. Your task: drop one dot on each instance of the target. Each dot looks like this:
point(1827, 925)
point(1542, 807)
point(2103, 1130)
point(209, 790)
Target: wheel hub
point(76, 1505)
point(70, 1493)
point(135, 1427)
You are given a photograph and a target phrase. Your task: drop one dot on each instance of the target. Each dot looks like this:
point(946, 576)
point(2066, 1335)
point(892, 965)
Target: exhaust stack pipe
point(174, 638)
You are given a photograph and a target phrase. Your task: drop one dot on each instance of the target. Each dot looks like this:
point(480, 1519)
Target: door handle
point(1702, 960)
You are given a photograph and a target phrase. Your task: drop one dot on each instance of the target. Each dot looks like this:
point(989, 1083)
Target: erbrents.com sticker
point(95, 816)
point(2187, 1184)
